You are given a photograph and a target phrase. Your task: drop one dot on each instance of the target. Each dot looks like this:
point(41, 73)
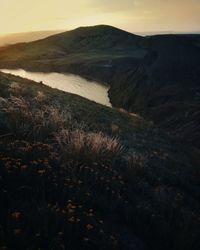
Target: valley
point(154, 76)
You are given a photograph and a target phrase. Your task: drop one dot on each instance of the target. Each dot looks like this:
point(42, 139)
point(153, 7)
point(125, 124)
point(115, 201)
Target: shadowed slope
point(75, 173)
point(165, 86)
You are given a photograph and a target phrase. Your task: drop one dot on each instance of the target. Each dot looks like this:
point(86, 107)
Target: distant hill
point(89, 51)
point(14, 38)
point(156, 76)
point(83, 43)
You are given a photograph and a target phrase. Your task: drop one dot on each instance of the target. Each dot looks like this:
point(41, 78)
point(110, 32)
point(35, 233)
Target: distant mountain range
point(25, 37)
point(22, 37)
point(156, 76)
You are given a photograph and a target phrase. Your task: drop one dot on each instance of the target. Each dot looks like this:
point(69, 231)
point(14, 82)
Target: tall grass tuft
point(89, 146)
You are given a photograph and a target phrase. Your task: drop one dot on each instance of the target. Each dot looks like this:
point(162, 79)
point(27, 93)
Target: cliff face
point(164, 86)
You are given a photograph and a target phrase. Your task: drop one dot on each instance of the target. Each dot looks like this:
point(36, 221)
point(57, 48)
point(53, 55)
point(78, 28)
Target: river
point(69, 83)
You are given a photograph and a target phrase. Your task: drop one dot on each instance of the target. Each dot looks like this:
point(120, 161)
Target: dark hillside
point(78, 175)
point(165, 86)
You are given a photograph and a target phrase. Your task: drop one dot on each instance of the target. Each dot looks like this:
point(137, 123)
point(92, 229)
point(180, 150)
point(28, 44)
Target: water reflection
point(69, 83)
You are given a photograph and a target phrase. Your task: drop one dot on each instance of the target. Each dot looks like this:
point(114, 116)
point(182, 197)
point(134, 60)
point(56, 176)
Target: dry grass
point(15, 88)
point(89, 146)
point(33, 117)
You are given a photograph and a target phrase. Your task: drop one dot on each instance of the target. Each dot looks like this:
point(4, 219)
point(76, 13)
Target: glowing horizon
point(19, 16)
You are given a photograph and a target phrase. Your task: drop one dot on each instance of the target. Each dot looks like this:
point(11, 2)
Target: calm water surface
point(67, 82)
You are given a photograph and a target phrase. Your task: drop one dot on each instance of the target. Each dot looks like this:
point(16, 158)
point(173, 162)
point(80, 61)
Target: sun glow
point(144, 15)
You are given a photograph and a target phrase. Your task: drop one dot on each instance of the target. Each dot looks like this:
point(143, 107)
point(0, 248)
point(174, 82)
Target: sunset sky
point(132, 15)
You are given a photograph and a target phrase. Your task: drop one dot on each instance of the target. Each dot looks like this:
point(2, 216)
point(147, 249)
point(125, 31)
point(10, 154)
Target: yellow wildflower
point(89, 227)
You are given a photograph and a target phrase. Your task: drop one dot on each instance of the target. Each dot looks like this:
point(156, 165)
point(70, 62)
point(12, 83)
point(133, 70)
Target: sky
point(131, 15)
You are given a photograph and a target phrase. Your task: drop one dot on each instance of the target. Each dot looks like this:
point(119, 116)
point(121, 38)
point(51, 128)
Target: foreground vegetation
point(77, 175)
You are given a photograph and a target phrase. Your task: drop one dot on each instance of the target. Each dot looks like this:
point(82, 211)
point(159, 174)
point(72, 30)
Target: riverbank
point(69, 83)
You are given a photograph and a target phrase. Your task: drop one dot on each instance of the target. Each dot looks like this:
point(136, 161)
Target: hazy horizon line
point(133, 32)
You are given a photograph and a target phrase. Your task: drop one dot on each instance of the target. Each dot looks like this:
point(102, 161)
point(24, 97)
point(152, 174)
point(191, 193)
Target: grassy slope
point(157, 77)
point(82, 188)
